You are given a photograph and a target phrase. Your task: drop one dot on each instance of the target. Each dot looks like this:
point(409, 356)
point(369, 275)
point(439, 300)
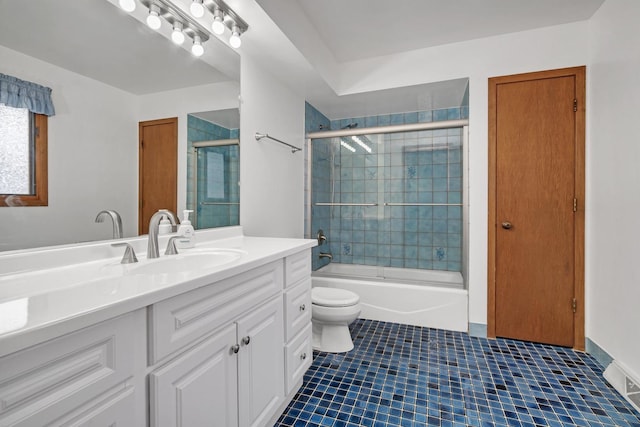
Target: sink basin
point(190, 260)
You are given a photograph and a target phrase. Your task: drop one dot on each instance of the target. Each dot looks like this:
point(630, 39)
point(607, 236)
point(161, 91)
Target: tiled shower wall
point(213, 215)
point(405, 169)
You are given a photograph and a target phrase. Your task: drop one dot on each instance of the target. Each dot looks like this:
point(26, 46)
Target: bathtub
point(430, 298)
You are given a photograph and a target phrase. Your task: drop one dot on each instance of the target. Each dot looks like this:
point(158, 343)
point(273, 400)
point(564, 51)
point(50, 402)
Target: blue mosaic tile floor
point(401, 375)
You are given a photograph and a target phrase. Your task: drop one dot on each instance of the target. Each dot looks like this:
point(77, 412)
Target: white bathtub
point(435, 299)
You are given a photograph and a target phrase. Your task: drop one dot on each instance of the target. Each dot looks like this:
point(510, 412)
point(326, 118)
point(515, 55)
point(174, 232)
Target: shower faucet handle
point(321, 237)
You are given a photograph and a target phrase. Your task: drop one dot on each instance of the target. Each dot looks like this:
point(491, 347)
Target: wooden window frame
point(41, 171)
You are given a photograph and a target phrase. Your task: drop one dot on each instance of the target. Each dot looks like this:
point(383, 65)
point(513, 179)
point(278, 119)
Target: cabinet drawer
point(299, 356)
point(297, 308)
point(297, 267)
point(74, 375)
point(178, 321)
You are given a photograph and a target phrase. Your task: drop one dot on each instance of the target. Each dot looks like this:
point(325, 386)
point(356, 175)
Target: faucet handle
point(129, 256)
point(171, 245)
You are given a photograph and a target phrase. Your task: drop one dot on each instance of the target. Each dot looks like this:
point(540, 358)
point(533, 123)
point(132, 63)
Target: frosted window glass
point(215, 176)
point(15, 169)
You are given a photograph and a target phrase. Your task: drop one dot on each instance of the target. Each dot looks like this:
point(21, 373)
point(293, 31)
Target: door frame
point(141, 126)
point(579, 184)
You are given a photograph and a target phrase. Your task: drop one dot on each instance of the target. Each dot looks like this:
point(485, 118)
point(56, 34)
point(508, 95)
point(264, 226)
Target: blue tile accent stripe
point(402, 375)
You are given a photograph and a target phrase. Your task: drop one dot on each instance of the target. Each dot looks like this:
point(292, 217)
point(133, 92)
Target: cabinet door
point(260, 364)
point(198, 388)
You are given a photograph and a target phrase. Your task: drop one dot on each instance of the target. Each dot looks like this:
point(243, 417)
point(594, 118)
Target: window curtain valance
point(22, 94)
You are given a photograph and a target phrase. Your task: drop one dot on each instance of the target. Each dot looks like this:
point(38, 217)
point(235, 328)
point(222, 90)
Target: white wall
point(271, 177)
point(613, 182)
point(92, 159)
point(179, 103)
point(541, 49)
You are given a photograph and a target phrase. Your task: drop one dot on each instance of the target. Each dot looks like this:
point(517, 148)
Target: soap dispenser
point(187, 232)
point(165, 226)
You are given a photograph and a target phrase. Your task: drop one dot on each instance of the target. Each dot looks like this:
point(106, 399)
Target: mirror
point(108, 72)
point(213, 190)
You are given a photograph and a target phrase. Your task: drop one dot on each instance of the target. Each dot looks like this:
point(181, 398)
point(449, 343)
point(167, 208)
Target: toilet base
point(331, 338)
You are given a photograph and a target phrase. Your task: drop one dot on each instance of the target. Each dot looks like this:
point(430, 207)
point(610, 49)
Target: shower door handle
point(507, 225)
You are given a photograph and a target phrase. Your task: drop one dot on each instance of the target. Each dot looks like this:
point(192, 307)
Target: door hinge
point(574, 305)
point(575, 205)
point(575, 105)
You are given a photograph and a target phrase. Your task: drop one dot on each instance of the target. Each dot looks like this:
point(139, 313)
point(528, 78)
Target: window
point(23, 157)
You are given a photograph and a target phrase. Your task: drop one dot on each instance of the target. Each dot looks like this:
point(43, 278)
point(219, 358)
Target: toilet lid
point(332, 297)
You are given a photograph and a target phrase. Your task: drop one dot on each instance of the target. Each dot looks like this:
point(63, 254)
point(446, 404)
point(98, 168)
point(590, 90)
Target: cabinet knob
point(246, 340)
point(303, 356)
point(303, 307)
point(235, 348)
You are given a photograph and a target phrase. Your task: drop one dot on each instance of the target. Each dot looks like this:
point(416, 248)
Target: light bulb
point(197, 48)
point(127, 5)
point(153, 19)
point(197, 8)
point(234, 40)
point(177, 36)
point(218, 21)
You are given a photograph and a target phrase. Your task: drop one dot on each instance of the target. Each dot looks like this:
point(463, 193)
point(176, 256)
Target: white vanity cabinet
point(225, 349)
point(89, 377)
point(233, 377)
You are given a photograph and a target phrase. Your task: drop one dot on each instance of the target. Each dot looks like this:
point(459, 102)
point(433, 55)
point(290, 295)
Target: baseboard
point(478, 330)
point(598, 353)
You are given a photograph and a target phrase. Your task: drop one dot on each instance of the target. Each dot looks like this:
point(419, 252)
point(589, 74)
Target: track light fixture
point(235, 40)
point(224, 17)
point(177, 36)
point(127, 5)
point(197, 48)
point(153, 19)
point(218, 26)
point(197, 8)
point(184, 25)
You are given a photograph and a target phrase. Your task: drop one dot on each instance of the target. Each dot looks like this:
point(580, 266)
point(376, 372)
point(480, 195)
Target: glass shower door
point(217, 186)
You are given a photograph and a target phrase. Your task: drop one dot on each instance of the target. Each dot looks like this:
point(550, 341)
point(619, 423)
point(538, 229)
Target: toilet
point(332, 310)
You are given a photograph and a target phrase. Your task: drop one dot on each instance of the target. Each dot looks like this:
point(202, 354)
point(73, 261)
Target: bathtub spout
point(325, 255)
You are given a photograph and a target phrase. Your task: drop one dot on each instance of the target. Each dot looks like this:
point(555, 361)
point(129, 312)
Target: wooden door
point(536, 200)
point(260, 364)
point(199, 387)
point(158, 169)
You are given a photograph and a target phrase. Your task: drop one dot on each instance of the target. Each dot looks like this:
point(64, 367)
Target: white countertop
point(49, 292)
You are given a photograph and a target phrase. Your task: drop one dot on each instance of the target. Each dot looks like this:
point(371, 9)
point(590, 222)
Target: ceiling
point(98, 40)
point(358, 29)
point(303, 42)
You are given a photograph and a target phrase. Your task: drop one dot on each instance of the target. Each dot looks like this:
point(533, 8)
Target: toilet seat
point(332, 297)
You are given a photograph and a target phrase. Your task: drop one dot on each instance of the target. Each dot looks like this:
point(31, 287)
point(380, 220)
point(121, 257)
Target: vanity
point(216, 335)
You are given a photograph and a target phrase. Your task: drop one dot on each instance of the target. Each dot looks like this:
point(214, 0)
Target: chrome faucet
point(154, 224)
point(115, 218)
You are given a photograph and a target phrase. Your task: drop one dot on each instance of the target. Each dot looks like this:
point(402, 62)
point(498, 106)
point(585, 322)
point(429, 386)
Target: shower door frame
point(445, 124)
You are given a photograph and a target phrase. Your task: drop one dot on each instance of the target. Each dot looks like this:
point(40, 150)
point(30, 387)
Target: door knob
point(235, 348)
point(507, 225)
point(246, 340)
